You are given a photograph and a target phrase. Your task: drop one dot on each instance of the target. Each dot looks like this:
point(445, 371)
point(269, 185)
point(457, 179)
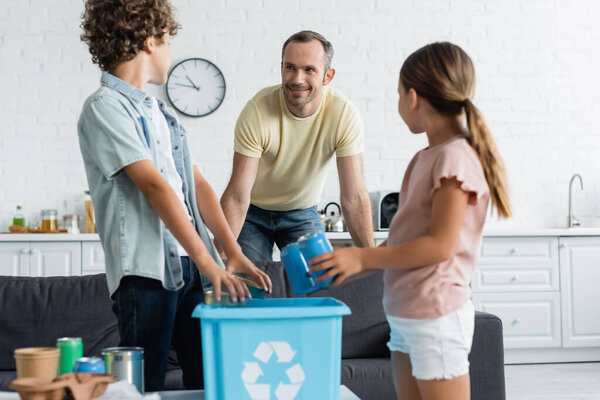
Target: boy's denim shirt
point(115, 130)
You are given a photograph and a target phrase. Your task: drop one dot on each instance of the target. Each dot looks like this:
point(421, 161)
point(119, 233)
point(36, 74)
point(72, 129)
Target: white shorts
point(438, 347)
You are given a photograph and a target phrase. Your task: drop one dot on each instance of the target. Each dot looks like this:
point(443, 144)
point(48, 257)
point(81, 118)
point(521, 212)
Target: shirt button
point(162, 170)
point(147, 99)
point(172, 123)
point(158, 142)
point(172, 254)
point(176, 147)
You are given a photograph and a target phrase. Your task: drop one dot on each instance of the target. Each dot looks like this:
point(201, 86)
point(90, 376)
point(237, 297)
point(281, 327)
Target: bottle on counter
point(18, 218)
point(90, 217)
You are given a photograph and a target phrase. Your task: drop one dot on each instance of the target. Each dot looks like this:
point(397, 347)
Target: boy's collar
point(123, 87)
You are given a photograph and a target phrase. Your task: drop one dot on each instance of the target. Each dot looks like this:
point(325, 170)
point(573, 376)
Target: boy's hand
point(239, 263)
point(218, 276)
point(344, 263)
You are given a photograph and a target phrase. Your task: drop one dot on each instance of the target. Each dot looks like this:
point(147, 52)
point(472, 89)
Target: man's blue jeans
point(263, 228)
point(153, 317)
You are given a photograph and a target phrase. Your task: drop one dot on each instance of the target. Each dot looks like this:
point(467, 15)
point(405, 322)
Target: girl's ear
point(413, 99)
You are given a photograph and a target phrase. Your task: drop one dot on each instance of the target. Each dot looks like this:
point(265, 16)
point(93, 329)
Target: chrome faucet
point(571, 220)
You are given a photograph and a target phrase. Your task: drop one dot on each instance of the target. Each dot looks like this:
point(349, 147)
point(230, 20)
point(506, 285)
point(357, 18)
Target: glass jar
point(71, 223)
point(49, 221)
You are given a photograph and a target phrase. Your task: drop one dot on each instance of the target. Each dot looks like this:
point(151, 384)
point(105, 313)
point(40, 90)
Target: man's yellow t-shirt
point(294, 152)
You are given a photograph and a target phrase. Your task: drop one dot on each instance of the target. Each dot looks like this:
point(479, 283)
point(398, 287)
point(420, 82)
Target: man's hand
point(239, 263)
point(344, 263)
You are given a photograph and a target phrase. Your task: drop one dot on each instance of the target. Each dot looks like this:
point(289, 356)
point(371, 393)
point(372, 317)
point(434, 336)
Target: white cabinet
point(92, 258)
point(55, 259)
point(517, 279)
point(546, 290)
point(580, 277)
point(40, 258)
point(517, 264)
point(14, 258)
point(530, 320)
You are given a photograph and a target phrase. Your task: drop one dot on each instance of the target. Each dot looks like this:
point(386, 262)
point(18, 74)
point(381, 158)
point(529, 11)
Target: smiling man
point(285, 138)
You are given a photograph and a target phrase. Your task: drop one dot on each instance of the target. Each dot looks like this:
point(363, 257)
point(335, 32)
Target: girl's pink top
point(431, 291)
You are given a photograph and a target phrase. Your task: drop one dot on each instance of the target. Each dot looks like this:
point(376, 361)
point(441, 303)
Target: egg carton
point(75, 386)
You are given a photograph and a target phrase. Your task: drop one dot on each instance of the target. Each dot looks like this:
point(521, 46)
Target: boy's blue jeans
point(153, 317)
point(263, 228)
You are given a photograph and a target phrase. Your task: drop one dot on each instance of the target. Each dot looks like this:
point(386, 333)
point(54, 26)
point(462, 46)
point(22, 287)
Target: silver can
point(126, 363)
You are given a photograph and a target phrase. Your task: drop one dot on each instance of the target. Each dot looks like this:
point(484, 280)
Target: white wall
point(538, 65)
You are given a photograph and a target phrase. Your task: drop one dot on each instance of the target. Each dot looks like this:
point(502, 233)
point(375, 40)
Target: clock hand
point(193, 84)
point(190, 86)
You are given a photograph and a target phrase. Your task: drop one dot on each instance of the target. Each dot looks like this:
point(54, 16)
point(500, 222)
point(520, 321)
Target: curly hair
point(115, 30)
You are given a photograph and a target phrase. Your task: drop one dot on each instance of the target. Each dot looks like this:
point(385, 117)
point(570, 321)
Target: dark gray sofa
point(37, 311)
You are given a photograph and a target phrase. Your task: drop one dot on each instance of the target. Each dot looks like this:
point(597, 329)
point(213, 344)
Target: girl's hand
point(218, 276)
point(239, 263)
point(344, 263)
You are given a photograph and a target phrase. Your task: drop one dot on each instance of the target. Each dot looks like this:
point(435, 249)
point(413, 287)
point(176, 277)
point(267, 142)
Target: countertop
point(49, 237)
point(591, 231)
point(378, 235)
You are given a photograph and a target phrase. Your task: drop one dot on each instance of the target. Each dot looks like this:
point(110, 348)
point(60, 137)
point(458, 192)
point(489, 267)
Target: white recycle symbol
point(252, 371)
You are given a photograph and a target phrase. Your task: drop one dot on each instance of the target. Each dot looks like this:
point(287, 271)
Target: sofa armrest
point(487, 358)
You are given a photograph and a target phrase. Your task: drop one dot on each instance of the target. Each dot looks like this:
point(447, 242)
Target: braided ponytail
point(480, 139)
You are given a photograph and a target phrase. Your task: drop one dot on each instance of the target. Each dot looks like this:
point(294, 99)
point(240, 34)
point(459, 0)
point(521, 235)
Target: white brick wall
point(538, 87)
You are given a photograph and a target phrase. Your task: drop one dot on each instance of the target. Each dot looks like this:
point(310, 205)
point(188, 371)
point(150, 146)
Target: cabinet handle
point(514, 278)
point(516, 321)
point(24, 251)
point(564, 245)
point(33, 251)
point(514, 250)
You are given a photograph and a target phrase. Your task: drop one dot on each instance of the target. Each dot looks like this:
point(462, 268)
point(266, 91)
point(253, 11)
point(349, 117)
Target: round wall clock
point(196, 87)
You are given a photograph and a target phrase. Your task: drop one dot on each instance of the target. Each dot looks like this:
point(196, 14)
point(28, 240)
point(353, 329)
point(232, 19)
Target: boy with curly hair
point(151, 203)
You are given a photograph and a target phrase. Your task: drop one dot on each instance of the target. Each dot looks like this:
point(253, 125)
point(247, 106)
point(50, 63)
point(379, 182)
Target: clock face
point(196, 87)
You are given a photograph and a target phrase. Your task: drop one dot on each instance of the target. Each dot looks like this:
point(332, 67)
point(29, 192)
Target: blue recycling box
point(284, 349)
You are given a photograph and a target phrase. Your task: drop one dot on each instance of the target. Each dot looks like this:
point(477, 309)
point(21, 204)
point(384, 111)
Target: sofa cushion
point(37, 311)
point(369, 378)
point(365, 332)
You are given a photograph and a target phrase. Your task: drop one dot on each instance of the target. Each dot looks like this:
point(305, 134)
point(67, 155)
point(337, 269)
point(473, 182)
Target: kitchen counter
point(512, 232)
point(49, 237)
point(346, 235)
point(378, 235)
point(591, 231)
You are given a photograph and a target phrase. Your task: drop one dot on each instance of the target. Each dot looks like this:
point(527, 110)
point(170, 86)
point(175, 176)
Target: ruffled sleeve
point(459, 161)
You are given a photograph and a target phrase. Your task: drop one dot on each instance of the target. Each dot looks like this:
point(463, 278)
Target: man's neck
point(307, 110)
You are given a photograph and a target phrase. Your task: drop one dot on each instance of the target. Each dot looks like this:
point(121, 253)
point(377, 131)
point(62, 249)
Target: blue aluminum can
point(90, 364)
point(296, 267)
point(312, 245)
